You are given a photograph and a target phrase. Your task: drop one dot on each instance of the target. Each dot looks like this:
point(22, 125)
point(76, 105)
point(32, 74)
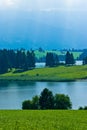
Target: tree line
point(18, 59)
point(47, 100)
point(52, 59)
point(25, 60)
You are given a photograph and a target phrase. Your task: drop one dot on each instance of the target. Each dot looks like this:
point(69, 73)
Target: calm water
point(12, 94)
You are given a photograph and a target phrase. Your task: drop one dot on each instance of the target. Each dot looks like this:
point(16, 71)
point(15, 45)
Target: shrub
point(81, 108)
point(27, 104)
point(62, 101)
point(35, 102)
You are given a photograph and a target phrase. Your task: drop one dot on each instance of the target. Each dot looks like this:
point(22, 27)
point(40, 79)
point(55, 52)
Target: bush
point(85, 108)
point(81, 108)
point(48, 101)
point(27, 104)
point(35, 102)
point(62, 101)
point(31, 104)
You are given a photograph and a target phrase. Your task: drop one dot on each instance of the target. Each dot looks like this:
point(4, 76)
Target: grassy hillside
point(42, 54)
point(43, 120)
point(60, 73)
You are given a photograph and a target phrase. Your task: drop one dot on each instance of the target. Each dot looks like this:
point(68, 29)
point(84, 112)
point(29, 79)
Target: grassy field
point(43, 120)
point(61, 73)
point(39, 54)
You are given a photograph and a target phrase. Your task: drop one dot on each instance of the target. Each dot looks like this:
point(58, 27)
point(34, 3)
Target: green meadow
point(61, 73)
point(39, 54)
point(43, 120)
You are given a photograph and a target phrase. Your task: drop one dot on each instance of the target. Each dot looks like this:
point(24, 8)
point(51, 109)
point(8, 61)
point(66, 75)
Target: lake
point(12, 94)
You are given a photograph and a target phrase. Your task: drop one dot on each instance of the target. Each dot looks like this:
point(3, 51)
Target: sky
point(44, 5)
point(47, 23)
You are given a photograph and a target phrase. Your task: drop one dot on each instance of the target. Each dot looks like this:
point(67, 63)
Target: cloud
point(62, 9)
point(44, 5)
point(8, 4)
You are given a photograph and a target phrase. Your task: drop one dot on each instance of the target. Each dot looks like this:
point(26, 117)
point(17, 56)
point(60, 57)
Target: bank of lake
point(54, 74)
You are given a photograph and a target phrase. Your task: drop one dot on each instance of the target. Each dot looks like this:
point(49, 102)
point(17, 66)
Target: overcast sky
point(68, 17)
point(44, 5)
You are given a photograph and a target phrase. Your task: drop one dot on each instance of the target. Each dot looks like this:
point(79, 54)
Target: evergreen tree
point(3, 61)
point(69, 59)
point(52, 59)
point(11, 59)
point(72, 59)
point(85, 61)
point(56, 59)
point(30, 60)
point(46, 100)
point(23, 61)
point(16, 59)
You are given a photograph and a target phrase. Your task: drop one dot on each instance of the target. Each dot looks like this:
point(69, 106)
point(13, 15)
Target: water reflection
point(4, 83)
point(25, 83)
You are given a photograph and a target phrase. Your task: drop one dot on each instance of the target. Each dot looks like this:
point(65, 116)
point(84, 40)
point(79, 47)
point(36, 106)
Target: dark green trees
point(11, 56)
point(85, 61)
point(69, 59)
point(19, 59)
point(25, 60)
point(31, 104)
point(3, 61)
point(62, 101)
point(48, 101)
point(30, 59)
point(83, 108)
point(35, 102)
point(52, 59)
point(26, 105)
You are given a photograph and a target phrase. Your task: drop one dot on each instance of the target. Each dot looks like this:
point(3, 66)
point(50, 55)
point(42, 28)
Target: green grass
point(61, 73)
point(39, 54)
point(43, 120)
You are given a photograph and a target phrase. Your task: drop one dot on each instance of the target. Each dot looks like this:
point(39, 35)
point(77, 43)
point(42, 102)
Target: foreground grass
point(43, 120)
point(60, 73)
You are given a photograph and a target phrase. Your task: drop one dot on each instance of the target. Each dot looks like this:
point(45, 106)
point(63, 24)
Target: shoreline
point(42, 80)
point(53, 74)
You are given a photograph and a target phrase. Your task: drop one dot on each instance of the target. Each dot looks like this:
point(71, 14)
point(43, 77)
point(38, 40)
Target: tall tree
point(11, 59)
point(46, 100)
point(3, 61)
point(56, 59)
point(69, 58)
point(72, 59)
point(52, 59)
point(30, 59)
point(85, 61)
